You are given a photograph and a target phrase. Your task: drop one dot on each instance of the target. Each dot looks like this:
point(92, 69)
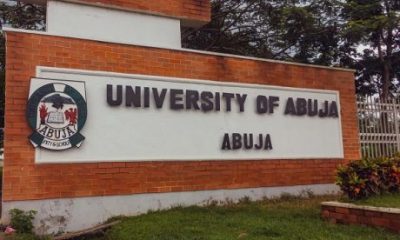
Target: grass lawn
point(386, 200)
point(273, 219)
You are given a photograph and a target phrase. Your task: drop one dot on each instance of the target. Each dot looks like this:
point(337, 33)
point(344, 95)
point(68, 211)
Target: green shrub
point(21, 221)
point(368, 177)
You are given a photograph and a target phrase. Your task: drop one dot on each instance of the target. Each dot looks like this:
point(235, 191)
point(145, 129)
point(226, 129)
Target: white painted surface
point(109, 25)
point(73, 214)
point(132, 134)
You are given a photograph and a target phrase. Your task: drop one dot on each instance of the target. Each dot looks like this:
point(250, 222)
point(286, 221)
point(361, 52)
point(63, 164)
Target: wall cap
point(361, 207)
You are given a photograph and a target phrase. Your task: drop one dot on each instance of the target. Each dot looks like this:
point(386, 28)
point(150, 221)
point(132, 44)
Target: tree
point(376, 24)
point(299, 30)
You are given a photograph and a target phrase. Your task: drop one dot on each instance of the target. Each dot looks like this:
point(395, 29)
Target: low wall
point(346, 213)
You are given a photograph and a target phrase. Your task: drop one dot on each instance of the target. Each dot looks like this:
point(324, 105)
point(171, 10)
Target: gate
point(379, 126)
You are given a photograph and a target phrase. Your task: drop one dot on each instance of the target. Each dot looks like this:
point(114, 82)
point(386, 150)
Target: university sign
point(124, 121)
point(145, 118)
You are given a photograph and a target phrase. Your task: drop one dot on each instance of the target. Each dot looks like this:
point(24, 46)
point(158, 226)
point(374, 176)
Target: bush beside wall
point(368, 177)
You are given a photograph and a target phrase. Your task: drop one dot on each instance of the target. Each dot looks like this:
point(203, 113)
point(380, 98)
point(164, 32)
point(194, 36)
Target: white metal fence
point(379, 126)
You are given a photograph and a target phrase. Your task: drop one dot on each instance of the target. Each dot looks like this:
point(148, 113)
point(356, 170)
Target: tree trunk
point(385, 80)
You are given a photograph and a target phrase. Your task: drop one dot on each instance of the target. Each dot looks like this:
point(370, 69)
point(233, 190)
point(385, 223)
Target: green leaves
point(374, 23)
point(21, 220)
point(301, 31)
point(23, 15)
point(369, 177)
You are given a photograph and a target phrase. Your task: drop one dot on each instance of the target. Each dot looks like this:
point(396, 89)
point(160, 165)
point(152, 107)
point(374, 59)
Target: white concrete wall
point(73, 214)
point(96, 23)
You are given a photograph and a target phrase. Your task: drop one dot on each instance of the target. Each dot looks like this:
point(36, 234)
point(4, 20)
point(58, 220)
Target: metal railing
point(379, 126)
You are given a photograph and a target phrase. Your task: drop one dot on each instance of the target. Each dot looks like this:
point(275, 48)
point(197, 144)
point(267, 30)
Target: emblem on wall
point(56, 113)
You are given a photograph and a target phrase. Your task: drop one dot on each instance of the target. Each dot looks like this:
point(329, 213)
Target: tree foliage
point(301, 31)
point(375, 23)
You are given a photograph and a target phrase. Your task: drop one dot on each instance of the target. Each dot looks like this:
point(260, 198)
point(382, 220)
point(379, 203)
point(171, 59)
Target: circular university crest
point(56, 112)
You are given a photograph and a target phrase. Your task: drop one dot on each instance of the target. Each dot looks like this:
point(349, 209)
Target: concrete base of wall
point(73, 214)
